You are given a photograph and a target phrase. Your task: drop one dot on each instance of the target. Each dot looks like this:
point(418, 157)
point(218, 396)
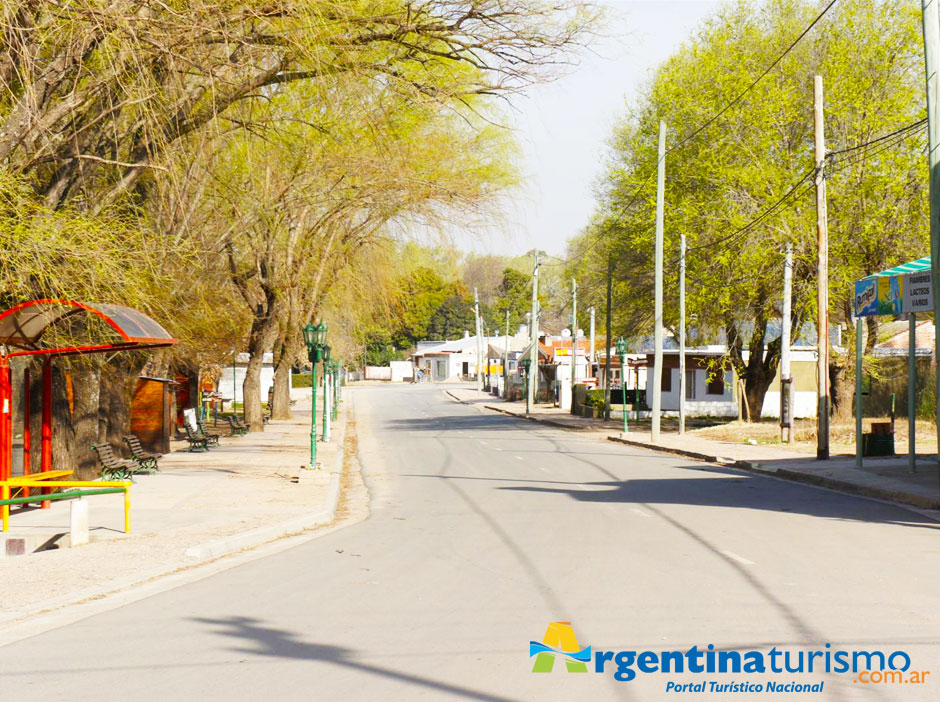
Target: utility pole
point(658, 312)
point(610, 283)
point(822, 277)
point(931, 20)
point(479, 344)
point(682, 380)
point(574, 337)
point(506, 359)
point(592, 357)
point(534, 333)
point(786, 382)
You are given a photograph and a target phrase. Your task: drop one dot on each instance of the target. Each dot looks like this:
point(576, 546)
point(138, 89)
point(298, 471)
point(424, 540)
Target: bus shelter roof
point(23, 326)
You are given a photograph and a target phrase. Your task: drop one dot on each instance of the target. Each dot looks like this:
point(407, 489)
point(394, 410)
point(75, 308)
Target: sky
point(563, 127)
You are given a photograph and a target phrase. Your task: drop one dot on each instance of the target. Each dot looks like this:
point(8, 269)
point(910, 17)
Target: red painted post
point(27, 435)
point(45, 457)
point(6, 415)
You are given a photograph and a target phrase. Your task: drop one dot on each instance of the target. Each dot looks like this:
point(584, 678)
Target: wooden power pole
point(822, 277)
point(658, 312)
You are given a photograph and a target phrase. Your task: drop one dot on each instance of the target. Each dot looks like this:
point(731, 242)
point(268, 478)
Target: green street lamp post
point(326, 392)
point(622, 352)
point(334, 374)
point(526, 362)
point(315, 339)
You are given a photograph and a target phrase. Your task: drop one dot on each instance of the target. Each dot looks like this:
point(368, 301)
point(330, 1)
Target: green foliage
point(302, 380)
point(869, 54)
point(515, 291)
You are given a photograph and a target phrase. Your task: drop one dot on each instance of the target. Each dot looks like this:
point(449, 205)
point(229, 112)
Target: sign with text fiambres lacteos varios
point(893, 295)
point(918, 294)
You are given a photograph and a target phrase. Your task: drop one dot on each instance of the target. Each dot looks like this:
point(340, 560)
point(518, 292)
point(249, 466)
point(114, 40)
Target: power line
point(902, 131)
point(701, 128)
point(754, 83)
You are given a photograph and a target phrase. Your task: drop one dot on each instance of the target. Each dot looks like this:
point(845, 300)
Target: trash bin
point(880, 441)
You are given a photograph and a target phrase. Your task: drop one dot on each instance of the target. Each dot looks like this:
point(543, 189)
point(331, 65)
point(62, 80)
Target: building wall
point(225, 382)
point(702, 403)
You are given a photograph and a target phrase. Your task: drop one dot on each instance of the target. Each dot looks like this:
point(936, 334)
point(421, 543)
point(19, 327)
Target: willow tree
point(724, 180)
point(295, 201)
point(100, 100)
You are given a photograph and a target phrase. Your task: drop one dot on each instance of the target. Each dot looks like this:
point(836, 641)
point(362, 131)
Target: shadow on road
point(260, 640)
point(740, 492)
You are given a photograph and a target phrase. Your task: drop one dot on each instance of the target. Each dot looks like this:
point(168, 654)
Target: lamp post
point(622, 352)
point(315, 339)
point(526, 362)
point(334, 374)
point(326, 392)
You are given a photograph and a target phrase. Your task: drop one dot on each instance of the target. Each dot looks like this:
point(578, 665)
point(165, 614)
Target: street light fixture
point(526, 363)
point(622, 352)
point(315, 339)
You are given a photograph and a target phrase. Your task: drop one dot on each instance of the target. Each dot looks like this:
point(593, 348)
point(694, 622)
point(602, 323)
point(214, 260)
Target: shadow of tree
point(261, 640)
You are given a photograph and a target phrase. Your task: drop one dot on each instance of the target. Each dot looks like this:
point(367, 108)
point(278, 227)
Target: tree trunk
point(756, 385)
point(258, 341)
point(75, 431)
point(281, 408)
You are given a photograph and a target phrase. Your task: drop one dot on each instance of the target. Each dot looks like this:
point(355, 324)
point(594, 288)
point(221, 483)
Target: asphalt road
point(482, 530)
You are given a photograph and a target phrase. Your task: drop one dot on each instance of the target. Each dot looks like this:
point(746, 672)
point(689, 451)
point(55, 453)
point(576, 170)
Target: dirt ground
point(841, 434)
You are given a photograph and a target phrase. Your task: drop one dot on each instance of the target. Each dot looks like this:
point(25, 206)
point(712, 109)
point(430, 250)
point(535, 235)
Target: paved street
point(483, 529)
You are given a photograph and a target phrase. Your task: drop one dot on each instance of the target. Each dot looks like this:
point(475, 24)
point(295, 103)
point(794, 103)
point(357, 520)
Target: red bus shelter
point(21, 331)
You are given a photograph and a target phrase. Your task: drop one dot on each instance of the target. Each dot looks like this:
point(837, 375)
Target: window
point(716, 383)
point(666, 384)
point(442, 369)
point(690, 385)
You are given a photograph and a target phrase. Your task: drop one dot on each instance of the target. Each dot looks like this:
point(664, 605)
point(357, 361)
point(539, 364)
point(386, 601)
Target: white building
point(443, 361)
point(229, 386)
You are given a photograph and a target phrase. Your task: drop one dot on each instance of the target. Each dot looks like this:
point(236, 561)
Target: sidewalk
point(882, 478)
point(200, 506)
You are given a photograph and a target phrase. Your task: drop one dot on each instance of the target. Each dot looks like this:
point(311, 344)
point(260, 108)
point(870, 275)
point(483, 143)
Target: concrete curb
point(255, 537)
point(899, 496)
point(538, 420)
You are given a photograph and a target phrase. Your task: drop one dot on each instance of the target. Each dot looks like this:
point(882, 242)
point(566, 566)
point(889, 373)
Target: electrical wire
point(701, 128)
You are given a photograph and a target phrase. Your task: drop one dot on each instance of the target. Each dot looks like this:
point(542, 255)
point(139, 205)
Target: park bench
point(146, 460)
point(112, 467)
point(237, 429)
point(196, 443)
point(212, 439)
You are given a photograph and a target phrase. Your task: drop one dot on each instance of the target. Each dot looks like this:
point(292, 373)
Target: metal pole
point(623, 389)
point(682, 379)
point(326, 403)
point(822, 280)
point(506, 360)
point(313, 415)
point(858, 392)
point(931, 24)
point(476, 313)
point(658, 332)
point(911, 392)
point(610, 278)
point(534, 350)
point(786, 423)
point(574, 337)
point(593, 358)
